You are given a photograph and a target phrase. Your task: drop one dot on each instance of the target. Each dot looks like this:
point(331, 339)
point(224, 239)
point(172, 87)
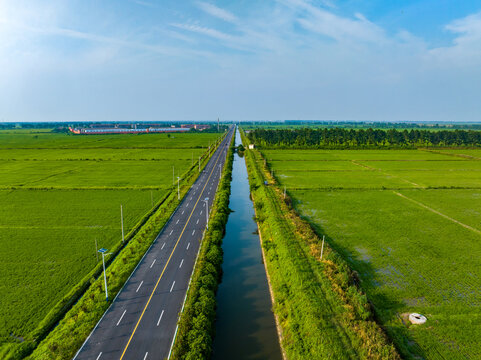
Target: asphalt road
point(142, 320)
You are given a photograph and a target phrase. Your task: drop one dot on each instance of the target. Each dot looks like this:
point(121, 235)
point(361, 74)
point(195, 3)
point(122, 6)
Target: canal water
point(245, 326)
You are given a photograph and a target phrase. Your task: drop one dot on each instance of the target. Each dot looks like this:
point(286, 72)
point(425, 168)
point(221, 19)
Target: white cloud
point(204, 31)
point(340, 28)
point(292, 58)
point(144, 3)
point(217, 12)
point(466, 47)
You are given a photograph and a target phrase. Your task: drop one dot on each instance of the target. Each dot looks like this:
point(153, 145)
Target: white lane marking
point(208, 193)
point(181, 263)
point(188, 246)
point(139, 286)
point(183, 212)
point(193, 232)
point(177, 221)
point(201, 212)
point(160, 318)
point(153, 262)
point(197, 221)
point(118, 322)
point(190, 198)
point(171, 232)
point(145, 357)
point(172, 286)
point(187, 205)
point(162, 246)
point(98, 357)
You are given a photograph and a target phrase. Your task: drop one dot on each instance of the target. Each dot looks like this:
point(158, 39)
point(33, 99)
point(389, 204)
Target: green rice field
point(408, 221)
point(58, 194)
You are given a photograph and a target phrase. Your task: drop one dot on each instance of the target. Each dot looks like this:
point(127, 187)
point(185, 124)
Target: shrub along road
point(141, 322)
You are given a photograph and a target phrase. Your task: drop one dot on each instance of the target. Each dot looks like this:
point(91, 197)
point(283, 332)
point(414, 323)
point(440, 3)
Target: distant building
point(114, 130)
point(195, 126)
point(252, 146)
point(134, 128)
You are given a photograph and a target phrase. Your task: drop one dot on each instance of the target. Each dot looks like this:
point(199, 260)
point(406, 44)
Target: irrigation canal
point(245, 327)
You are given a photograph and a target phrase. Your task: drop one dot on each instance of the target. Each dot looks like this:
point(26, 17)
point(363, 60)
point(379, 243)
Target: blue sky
point(145, 60)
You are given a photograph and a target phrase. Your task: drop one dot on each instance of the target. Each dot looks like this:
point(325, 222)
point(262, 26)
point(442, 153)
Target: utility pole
point(122, 221)
point(322, 247)
point(178, 188)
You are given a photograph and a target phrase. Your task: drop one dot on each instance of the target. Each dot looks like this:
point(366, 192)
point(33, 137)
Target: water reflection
point(245, 327)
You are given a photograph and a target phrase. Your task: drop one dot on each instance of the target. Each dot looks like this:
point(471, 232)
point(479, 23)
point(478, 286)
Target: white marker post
point(122, 221)
point(173, 175)
point(322, 247)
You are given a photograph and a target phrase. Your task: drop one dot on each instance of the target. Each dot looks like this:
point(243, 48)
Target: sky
point(145, 60)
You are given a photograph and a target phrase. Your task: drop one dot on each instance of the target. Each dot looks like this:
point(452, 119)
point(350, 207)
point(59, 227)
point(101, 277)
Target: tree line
point(362, 138)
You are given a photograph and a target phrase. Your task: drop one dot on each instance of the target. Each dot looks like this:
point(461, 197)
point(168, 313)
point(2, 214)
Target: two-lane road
point(142, 320)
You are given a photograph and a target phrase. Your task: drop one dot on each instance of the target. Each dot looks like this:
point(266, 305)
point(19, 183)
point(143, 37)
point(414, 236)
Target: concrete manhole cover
point(417, 319)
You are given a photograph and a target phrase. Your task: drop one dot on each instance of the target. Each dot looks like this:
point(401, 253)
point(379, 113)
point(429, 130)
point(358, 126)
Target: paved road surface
point(142, 320)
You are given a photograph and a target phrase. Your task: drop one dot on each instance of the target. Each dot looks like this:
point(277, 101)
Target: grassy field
point(408, 223)
point(58, 193)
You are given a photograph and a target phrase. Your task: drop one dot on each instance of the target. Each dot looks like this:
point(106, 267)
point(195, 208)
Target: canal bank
point(245, 325)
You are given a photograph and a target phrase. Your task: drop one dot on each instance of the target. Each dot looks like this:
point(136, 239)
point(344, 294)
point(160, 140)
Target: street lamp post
point(103, 252)
point(206, 200)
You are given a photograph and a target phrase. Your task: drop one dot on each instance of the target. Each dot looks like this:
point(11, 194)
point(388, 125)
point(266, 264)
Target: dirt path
point(438, 213)
point(470, 157)
point(355, 162)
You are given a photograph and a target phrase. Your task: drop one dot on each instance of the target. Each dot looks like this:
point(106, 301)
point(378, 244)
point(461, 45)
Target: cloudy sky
point(130, 60)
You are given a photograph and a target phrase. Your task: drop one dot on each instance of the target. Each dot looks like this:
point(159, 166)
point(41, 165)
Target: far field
point(408, 221)
point(58, 193)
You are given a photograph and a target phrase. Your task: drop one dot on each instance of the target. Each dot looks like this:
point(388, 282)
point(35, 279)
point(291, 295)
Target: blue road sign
point(103, 250)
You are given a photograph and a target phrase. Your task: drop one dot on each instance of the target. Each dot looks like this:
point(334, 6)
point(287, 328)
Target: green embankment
point(197, 321)
point(321, 311)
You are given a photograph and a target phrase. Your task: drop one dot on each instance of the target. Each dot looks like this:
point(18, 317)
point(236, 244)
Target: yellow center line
point(168, 260)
